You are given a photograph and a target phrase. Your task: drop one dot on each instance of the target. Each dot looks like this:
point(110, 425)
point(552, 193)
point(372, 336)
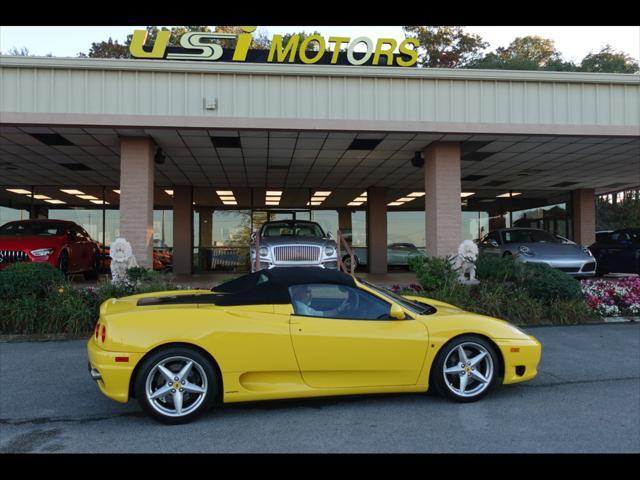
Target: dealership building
point(193, 155)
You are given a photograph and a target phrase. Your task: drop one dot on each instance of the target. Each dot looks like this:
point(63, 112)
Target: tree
point(108, 49)
point(610, 61)
point(302, 37)
point(445, 47)
point(525, 53)
point(623, 213)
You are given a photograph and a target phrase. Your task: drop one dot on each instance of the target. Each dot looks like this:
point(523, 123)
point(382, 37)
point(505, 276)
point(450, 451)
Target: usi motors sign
point(314, 49)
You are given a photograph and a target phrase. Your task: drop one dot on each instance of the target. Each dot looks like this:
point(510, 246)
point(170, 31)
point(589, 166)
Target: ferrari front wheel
point(176, 384)
point(466, 369)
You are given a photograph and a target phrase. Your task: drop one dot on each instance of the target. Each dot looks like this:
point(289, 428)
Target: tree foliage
point(623, 213)
point(610, 61)
point(444, 46)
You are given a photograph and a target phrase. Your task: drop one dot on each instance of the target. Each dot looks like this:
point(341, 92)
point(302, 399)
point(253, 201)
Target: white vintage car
point(293, 243)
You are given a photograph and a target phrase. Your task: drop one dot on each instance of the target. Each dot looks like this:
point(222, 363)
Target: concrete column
point(377, 230)
point(442, 202)
point(584, 216)
point(183, 229)
point(136, 196)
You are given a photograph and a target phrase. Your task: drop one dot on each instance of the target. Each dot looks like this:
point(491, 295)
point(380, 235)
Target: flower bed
point(613, 298)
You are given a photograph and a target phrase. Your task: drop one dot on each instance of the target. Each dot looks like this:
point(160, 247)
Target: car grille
point(569, 269)
point(297, 253)
point(11, 256)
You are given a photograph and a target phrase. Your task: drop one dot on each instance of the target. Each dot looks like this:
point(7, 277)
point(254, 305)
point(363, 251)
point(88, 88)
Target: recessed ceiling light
point(99, 202)
point(226, 199)
point(507, 195)
point(272, 198)
point(314, 203)
point(322, 194)
point(87, 197)
point(72, 192)
point(318, 199)
point(219, 192)
point(354, 204)
point(230, 203)
point(360, 199)
point(395, 204)
point(274, 192)
point(19, 190)
point(467, 194)
point(117, 191)
point(363, 194)
point(55, 202)
point(41, 197)
point(416, 194)
point(169, 192)
point(405, 199)
point(272, 203)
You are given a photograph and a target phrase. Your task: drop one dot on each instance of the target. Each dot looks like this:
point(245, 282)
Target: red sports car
point(63, 244)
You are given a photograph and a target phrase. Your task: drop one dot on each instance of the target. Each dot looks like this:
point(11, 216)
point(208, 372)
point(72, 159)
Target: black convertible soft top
point(272, 286)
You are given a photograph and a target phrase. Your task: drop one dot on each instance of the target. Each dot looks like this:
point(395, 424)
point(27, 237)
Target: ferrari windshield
point(415, 307)
point(42, 229)
point(528, 236)
point(292, 229)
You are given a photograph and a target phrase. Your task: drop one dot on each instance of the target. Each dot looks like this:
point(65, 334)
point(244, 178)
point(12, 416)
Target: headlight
point(519, 330)
point(524, 250)
point(42, 252)
point(264, 252)
point(329, 251)
point(587, 251)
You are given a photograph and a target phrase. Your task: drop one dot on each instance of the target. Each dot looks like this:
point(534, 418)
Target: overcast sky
point(573, 42)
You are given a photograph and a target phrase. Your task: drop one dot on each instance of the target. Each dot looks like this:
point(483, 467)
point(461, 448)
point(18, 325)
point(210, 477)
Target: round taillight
point(104, 333)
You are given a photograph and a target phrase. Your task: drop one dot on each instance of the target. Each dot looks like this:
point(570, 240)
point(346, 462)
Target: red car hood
point(29, 242)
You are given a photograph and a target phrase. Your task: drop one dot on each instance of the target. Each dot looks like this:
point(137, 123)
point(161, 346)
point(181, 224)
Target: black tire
point(197, 405)
point(95, 268)
point(63, 264)
point(447, 387)
point(346, 260)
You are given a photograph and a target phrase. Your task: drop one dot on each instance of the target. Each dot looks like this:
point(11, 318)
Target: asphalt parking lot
point(585, 399)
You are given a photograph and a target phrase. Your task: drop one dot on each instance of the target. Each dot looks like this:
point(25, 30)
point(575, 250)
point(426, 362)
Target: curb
point(37, 338)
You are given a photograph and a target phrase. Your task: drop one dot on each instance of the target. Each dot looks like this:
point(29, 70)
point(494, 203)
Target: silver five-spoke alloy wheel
point(468, 370)
point(176, 386)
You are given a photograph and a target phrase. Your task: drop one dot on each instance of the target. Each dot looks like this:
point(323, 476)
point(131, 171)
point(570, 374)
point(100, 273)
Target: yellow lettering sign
point(140, 38)
point(282, 52)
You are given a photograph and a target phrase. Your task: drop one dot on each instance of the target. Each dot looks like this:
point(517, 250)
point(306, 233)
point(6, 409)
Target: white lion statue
point(465, 262)
point(122, 259)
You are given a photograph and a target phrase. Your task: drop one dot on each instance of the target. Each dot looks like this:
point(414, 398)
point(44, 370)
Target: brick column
point(442, 202)
point(584, 216)
point(344, 220)
point(206, 237)
point(206, 223)
point(377, 230)
point(183, 229)
point(136, 196)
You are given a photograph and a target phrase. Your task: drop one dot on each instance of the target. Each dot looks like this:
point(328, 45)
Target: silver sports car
point(533, 245)
point(294, 243)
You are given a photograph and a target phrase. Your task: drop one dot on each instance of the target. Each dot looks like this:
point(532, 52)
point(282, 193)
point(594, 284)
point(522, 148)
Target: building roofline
point(141, 65)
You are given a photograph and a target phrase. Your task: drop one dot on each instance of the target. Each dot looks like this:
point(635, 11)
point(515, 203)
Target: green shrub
point(434, 273)
point(547, 284)
point(500, 269)
point(21, 279)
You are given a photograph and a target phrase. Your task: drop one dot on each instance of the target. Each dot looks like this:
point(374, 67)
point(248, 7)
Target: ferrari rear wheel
point(176, 384)
point(466, 369)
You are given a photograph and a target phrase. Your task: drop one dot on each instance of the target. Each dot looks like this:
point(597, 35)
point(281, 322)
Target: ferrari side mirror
point(396, 312)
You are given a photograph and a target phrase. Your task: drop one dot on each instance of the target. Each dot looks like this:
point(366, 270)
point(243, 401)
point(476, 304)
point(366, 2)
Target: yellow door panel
point(358, 353)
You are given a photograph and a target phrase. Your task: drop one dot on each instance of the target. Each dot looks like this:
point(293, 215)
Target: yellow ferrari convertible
point(293, 333)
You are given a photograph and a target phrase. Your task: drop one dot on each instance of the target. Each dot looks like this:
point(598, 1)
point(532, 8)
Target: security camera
point(417, 160)
point(159, 157)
